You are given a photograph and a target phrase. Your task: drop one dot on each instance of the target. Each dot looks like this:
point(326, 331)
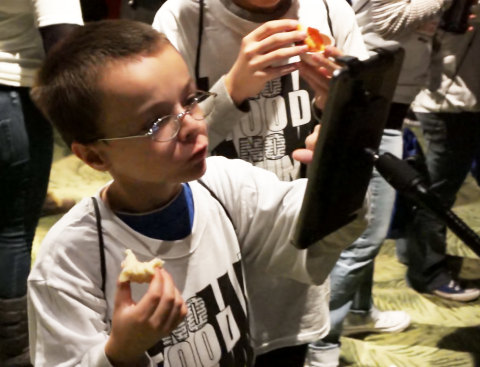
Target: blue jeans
point(26, 147)
point(452, 141)
point(352, 277)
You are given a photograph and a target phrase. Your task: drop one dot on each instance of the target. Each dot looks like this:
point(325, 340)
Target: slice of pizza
point(314, 40)
point(136, 271)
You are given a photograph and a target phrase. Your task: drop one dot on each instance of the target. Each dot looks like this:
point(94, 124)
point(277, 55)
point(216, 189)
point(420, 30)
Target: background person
point(26, 145)
point(449, 115)
point(352, 311)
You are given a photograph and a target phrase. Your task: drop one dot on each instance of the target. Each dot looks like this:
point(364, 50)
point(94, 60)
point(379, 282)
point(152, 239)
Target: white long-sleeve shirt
point(21, 46)
point(69, 316)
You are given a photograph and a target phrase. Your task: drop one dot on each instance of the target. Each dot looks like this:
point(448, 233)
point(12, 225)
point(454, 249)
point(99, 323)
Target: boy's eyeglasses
point(166, 128)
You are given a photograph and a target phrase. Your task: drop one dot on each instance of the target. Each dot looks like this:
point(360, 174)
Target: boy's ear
point(91, 155)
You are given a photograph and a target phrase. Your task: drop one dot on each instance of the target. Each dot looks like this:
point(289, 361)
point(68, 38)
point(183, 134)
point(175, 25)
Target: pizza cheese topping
point(314, 40)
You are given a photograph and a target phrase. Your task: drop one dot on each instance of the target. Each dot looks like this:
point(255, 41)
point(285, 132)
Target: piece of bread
point(314, 40)
point(136, 271)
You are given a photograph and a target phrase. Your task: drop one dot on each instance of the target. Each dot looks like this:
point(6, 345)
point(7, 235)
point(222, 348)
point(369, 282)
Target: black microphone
point(409, 182)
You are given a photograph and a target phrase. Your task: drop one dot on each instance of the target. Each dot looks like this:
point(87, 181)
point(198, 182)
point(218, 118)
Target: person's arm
point(394, 18)
point(53, 33)
point(320, 67)
point(69, 319)
point(224, 116)
point(265, 211)
point(68, 328)
point(56, 19)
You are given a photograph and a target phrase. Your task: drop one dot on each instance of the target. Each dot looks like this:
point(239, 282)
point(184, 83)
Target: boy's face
point(137, 93)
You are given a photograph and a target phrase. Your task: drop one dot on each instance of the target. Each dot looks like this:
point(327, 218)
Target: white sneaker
point(323, 356)
point(376, 322)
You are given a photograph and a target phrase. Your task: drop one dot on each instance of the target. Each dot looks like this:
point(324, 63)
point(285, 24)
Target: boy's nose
point(190, 128)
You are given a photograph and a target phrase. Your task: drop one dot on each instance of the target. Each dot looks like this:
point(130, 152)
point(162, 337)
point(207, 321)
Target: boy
point(122, 97)
point(264, 110)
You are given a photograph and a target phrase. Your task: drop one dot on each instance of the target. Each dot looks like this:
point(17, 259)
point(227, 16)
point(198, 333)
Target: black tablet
point(352, 123)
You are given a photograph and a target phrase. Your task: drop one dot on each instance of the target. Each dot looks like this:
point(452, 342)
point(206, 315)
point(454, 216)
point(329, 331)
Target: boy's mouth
point(199, 154)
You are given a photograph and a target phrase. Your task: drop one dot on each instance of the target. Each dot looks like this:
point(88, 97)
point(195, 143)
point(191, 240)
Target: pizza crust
point(136, 271)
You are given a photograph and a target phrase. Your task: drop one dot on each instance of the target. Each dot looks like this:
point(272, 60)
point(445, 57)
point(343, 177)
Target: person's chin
point(202, 167)
point(196, 170)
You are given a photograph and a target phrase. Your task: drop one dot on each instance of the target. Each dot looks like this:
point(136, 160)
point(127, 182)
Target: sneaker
point(453, 291)
point(323, 356)
point(376, 322)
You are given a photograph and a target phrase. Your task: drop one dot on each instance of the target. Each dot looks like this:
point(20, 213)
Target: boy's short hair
point(66, 90)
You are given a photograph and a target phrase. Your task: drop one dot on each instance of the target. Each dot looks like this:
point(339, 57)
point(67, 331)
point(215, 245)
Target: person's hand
point(261, 50)
point(137, 327)
point(318, 72)
point(306, 155)
point(474, 16)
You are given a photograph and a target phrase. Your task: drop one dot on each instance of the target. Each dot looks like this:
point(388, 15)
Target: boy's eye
point(189, 100)
point(159, 123)
point(195, 97)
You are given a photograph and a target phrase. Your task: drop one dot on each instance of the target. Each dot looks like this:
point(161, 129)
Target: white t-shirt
point(21, 46)
point(280, 116)
point(69, 315)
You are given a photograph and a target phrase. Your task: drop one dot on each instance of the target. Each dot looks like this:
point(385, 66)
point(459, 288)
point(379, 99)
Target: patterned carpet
point(442, 333)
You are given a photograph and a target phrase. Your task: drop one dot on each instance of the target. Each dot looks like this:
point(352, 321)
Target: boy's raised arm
point(265, 210)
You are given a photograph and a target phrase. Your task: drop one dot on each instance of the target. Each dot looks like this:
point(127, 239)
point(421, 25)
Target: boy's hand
point(269, 44)
point(137, 327)
point(306, 155)
point(319, 71)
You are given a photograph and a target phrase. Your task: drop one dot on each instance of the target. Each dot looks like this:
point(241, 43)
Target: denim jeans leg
point(452, 140)
point(40, 137)
point(351, 278)
point(23, 180)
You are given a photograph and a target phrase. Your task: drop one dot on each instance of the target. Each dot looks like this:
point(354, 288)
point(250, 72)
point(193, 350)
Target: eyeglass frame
point(176, 118)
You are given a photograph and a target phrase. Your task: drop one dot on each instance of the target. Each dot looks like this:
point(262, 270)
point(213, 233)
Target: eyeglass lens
point(168, 127)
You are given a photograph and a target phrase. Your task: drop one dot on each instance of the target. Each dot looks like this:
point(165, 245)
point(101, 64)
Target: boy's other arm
point(265, 211)
point(138, 327)
point(67, 324)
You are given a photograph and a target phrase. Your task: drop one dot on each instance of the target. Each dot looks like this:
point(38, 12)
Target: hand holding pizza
point(261, 54)
point(318, 65)
point(136, 327)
